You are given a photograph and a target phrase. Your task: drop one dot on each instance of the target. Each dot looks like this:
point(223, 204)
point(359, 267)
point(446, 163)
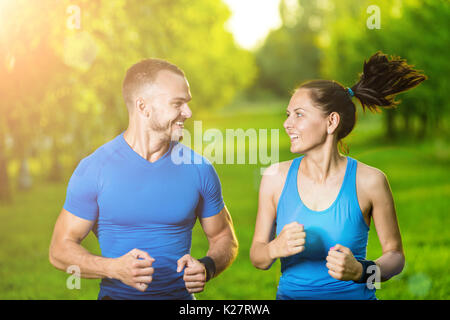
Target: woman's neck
point(320, 165)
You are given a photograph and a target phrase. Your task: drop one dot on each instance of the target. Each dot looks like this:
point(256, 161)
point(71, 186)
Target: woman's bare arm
point(392, 261)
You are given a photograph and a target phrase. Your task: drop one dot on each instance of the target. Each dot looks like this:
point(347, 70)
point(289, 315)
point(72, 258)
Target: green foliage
point(331, 39)
point(416, 173)
point(290, 55)
point(414, 30)
point(62, 67)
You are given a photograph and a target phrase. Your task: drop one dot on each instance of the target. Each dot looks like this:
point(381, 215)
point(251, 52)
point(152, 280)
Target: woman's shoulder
point(275, 175)
point(278, 170)
point(273, 180)
point(369, 177)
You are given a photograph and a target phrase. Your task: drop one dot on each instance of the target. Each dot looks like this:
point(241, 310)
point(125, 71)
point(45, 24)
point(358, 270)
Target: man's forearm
point(390, 263)
point(73, 254)
point(223, 251)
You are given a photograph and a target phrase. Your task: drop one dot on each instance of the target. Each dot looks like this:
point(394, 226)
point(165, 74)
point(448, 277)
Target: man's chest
point(151, 199)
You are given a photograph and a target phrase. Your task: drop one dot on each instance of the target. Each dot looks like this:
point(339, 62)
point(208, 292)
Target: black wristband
point(210, 267)
point(365, 275)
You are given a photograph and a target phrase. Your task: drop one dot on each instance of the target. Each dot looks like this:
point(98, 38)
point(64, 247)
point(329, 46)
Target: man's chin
point(176, 138)
point(177, 135)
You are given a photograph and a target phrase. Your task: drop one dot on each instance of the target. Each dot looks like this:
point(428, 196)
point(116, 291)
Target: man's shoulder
point(99, 156)
point(182, 154)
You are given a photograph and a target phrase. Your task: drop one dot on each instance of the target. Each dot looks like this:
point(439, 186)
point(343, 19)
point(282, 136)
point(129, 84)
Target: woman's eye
point(298, 114)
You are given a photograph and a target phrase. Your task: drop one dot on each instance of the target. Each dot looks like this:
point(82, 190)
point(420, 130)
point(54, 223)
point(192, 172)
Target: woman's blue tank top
point(305, 275)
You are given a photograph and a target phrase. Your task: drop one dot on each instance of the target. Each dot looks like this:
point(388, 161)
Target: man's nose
point(186, 111)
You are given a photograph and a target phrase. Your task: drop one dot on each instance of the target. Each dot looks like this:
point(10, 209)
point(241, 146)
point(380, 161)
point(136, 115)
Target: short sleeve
point(211, 202)
point(81, 195)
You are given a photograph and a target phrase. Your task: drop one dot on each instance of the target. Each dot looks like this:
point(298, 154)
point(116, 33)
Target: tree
point(414, 30)
point(290, 54)
point(65, 62)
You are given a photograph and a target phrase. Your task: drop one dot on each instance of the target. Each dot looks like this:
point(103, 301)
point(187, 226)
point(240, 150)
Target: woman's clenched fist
point(290, 241)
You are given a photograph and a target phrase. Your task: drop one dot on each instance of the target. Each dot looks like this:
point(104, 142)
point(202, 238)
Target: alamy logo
point(235, 147)
point(374, 21)
point(73, 281)
point(374, 280)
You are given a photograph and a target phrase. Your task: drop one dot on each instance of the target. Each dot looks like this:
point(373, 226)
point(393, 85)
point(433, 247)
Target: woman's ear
point(333, 122)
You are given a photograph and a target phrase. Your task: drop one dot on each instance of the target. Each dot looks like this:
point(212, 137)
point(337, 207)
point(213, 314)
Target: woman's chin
point(296, 149)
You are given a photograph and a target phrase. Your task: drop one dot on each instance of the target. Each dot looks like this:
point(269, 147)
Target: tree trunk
point(5, 182)
point(391, 133)
point(5, 186)
point(407, 123)
point(423, 126)
point(25, 181)
point(55, 174)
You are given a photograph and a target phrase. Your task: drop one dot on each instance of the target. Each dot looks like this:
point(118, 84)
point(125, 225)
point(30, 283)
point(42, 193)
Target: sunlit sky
point(251, 20)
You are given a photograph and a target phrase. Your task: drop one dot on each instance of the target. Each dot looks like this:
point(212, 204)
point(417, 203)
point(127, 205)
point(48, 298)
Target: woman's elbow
point(402, 261)
point(257, 262)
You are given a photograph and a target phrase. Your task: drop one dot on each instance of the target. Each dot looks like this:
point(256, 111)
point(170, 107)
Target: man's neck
point(149, 145)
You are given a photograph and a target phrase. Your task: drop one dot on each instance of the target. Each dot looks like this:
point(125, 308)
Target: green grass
point(418, 175)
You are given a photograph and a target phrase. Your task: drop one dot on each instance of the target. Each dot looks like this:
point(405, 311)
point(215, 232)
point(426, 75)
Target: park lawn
point(418, 175)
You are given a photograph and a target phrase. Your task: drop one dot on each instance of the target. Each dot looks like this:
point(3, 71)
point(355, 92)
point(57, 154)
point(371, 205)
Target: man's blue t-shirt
point(149, 206)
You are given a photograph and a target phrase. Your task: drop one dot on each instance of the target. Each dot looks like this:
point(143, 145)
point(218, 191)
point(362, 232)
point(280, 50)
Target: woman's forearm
point(260, 255)
point(390, 263)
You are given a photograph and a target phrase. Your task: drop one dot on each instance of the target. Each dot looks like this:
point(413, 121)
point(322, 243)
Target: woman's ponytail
point(382, 79)
point(378, 85)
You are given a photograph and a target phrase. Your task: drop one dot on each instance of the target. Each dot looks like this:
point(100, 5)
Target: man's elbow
point(234, 246)
point(53, 257)
point(233, 243)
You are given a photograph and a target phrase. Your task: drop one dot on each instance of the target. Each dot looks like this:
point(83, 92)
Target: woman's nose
point(287, 123)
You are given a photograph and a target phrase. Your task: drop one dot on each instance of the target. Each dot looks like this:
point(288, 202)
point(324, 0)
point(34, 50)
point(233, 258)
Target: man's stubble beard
point(156, 126)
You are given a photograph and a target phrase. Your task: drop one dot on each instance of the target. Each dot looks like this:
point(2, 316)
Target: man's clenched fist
point(194, 273)
point(134, 269)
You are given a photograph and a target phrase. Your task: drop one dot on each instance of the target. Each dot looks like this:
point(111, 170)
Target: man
point(141, 204)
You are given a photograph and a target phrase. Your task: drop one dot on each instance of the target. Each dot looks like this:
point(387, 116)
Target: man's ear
point(141, 107)
point(333, 122)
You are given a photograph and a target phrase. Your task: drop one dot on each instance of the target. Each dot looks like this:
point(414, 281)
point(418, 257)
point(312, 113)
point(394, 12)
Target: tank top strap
point(290, 184)
point(293, 169)
point(349, 186)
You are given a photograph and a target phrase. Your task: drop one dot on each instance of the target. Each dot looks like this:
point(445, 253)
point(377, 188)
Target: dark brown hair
point(382, 79)
point(144, 72)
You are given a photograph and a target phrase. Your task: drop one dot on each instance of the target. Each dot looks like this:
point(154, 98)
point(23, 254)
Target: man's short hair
point(144, 73)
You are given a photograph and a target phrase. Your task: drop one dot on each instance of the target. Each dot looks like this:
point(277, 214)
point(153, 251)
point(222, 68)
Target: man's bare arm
point(223, 244)
point(66, 250)
point(133, 268)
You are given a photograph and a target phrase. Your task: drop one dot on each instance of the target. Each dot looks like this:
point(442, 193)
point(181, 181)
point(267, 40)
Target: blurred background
point(61, 68)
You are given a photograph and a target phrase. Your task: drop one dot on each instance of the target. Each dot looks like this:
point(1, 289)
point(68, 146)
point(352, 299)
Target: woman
point(321, 204)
